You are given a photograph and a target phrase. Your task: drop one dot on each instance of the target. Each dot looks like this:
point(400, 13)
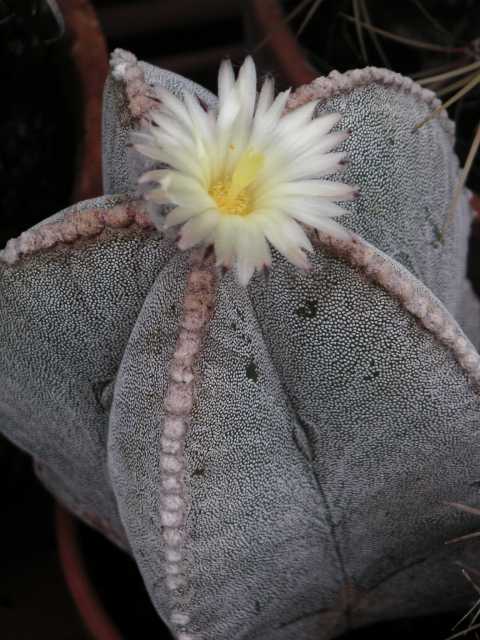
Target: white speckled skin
point(122, 165)
point(334, 413)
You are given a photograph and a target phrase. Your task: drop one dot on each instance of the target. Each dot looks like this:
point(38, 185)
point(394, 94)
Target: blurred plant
point(473, 614)
point(457, 75)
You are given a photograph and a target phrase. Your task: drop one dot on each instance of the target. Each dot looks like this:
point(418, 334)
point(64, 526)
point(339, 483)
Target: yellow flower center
point(237, 206)
point(233, 195)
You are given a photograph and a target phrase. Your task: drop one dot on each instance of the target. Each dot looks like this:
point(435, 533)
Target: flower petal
point(226, 82)
point(228, 111)
point(175, 159)
point(265, 97)
point(155, 153)
point(225, 243)
point(318, 188)
point(159, 196)
point(245, 264)
point(175, 106)
point(287, 236)
point(265, 123)
point(313, 217)
point(251, 248)
point(179, 215)
point(330, 141)
point(333, 228)
point(297, 118)
point(259, 249)
point(304, 140)
point(308, 167)
point(247, 86)
point(153, 176)
point(198, 228)
point(319, 206)
point(186, 191)
point(200, 120)
point(168, 125)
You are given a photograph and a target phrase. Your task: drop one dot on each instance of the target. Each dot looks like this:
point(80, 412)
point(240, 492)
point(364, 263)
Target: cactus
point(279, 458)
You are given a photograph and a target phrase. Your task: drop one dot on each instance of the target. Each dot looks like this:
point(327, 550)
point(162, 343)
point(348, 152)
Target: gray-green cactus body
point(335, 412)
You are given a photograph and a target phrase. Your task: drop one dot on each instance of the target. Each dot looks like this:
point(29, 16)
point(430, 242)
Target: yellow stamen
point(232, 195)
point(239, 206)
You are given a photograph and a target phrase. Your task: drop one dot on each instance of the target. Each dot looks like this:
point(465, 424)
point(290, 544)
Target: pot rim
point(87, 601)
point(281, 41)
point(88, 49)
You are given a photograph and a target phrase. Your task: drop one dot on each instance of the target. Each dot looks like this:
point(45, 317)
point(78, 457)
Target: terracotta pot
point(89, 605)
point(104, 582)
point(278, 47)
point(89, 52)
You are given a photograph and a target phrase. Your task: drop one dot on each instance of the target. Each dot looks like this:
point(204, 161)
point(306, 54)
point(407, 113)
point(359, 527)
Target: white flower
point(245, 175)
